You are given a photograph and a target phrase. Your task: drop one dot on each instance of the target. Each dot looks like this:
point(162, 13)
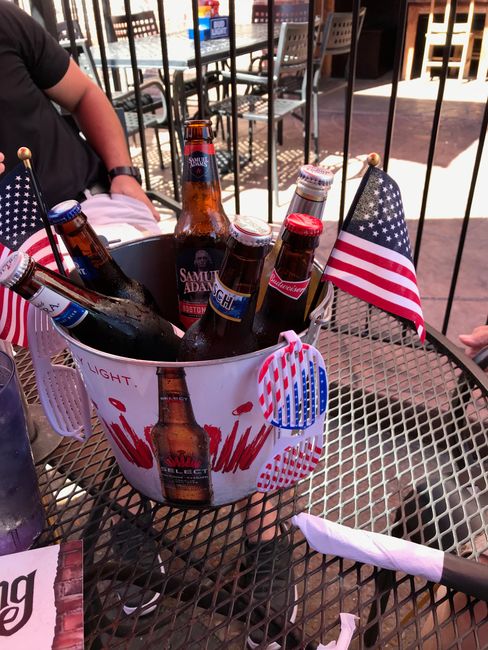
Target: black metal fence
point(76, 14)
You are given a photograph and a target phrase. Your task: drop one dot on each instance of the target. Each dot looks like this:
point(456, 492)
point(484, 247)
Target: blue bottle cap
point(64, 211)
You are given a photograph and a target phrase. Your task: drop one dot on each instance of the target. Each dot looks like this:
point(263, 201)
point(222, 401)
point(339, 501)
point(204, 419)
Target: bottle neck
point(201, 187)
point(93, 261)
point(39, 276)
point(290, 278)
point(307, 201)
point(174, 400)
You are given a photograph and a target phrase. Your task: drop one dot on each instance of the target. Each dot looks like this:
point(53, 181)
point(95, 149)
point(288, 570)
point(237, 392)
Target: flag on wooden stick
point(21, 228)
point(371, 258)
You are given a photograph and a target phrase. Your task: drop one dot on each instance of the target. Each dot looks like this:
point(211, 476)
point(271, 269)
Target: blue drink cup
point(21, 511)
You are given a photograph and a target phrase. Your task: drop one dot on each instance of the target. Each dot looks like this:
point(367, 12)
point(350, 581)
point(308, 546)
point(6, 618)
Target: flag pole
point(25, 155)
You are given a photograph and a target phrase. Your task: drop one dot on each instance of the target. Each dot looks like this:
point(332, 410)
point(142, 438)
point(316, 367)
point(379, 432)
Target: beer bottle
point(313, 184)
point(181, 445)
point(284, 302)
point(202, 227)
point(225, 329)
point(96, 267)
point(114, 325)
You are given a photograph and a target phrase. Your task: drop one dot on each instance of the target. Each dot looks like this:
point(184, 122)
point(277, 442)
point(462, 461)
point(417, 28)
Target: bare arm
point(98, 121)
point(2, 166)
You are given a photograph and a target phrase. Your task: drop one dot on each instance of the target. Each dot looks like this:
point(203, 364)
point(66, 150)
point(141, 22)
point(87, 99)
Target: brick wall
point(68, 596)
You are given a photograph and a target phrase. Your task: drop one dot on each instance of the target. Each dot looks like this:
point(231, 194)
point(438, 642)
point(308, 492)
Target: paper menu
point(41, 598)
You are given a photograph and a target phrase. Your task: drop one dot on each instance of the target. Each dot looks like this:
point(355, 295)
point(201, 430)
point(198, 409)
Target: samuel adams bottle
point(202, 227)
point(95, 265)
point(181, 444)
point(114, 325)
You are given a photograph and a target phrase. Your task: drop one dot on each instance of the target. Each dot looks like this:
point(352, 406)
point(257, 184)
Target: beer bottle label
point(85, 268)
point(200, 165)
point(229, 304)
point(196, 270)
point(185, 476)
point(293, 290)
point(63, 311)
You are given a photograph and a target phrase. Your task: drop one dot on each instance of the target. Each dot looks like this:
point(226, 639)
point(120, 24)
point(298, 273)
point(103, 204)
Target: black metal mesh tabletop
point(405, 453)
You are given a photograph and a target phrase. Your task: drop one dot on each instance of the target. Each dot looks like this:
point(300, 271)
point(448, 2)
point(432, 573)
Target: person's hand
point(476, 341)
point(130, 187)
point(2, 166)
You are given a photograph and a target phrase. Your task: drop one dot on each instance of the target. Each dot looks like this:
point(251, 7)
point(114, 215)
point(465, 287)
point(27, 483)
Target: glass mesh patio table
point(399, 414)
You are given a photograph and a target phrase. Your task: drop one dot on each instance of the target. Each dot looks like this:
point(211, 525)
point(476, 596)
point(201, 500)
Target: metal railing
point(101, 16)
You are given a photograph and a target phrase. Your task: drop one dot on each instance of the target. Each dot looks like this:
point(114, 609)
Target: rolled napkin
point(394, 554)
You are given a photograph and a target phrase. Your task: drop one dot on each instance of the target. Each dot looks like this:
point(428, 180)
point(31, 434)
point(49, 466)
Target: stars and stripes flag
point(21, 228)
point(371, 258)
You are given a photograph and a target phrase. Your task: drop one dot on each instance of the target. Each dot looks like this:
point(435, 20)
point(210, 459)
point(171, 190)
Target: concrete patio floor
point(450, 179)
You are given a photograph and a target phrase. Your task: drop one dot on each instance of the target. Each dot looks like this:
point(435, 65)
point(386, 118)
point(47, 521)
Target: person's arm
point(476, 341)
point(98, 121)
point(2, 166)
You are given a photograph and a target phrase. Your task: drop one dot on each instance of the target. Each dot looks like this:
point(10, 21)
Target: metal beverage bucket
point(223, 394)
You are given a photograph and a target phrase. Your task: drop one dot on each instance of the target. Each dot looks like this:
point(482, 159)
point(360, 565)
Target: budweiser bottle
point(285, 299)
point(95, 265)
point(225, 329)
point(202, 227)
point(181, 445)
point(114, 325)
point(313, 184)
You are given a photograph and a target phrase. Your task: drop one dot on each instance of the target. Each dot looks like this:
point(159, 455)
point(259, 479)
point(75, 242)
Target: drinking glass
point(21, 511)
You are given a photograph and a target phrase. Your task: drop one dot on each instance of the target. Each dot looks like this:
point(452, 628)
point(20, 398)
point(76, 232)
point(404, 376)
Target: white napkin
point(348, 625)
point(371, 548)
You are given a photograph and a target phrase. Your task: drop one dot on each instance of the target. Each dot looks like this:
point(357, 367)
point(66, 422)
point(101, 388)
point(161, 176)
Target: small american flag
point(21, 228)
point(371, 258)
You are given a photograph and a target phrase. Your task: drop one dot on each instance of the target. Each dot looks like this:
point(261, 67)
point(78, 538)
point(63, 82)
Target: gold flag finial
point(25, 154)
point(374, 159)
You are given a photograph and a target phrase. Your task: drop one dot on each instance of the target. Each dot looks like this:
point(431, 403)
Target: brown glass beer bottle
point(225, 329)
point(114, 325)
point(181, 445)
point(95, 265)
point(202, 227)
point(285, 299)
point(313, 185)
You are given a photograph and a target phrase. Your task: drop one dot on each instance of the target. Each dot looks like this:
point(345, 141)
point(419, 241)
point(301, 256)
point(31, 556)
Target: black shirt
point(30, 61)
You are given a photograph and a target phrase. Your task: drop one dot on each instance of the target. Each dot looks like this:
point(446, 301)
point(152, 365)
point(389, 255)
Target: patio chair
point(283, 13)
point(436, 38)
point(336, 39)
point(291, 60)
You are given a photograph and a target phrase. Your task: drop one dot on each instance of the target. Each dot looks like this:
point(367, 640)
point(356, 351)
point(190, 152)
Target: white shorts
point(118, 217)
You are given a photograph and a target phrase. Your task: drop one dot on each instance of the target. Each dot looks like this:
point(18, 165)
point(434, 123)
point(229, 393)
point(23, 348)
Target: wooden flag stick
point(25, 155)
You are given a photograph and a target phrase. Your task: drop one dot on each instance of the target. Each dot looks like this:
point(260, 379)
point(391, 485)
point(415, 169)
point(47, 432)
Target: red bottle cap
point(303, 224)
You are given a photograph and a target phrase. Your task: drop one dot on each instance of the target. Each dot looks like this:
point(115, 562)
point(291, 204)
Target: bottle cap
point(303, 224)
point(316, 174)
point(13, 268)
point(64, 211)
point(313, 182)
point(251, 232)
